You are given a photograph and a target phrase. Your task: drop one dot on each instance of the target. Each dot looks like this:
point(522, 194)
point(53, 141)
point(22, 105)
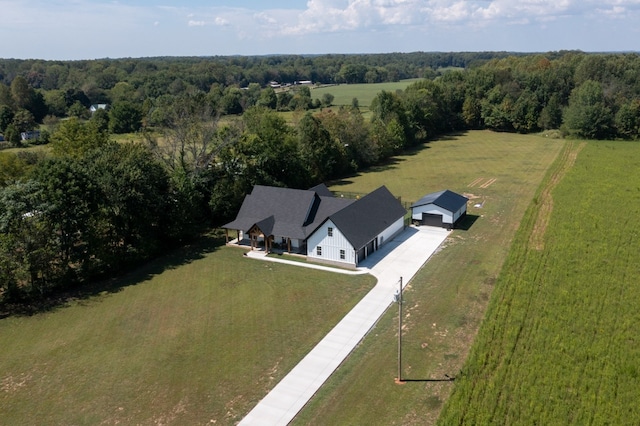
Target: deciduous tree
point(75, 139)
point(587, 115)
point(125, 117)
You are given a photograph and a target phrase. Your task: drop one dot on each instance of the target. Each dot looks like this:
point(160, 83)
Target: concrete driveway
point(401, 257)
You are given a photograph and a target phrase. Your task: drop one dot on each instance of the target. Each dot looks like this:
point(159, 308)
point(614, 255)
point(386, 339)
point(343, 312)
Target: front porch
point(255, 240)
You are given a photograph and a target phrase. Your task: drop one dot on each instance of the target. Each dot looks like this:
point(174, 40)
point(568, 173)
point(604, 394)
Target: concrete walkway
point(261, 255)
point(401, 257)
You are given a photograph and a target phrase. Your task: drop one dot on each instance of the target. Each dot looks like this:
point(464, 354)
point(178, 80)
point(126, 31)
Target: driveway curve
point(401, 257)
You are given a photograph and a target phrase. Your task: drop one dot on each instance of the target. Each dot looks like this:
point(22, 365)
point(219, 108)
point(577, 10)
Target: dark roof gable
point(366, 218)
point(284, 211)
point(446, 199)
point(322, 190)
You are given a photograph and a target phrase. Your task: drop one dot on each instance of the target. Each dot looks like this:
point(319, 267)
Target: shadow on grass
point(390, 164)
point(393, 162)
point(467, 222)
point(453, 136)
point(172, 259)
point(446, 379)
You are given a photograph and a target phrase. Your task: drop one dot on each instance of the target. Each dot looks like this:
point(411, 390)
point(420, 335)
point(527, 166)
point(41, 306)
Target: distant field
point(560, 342)
point(198, 337)
point(446, 301)
point(34, 148)
point(344, 93)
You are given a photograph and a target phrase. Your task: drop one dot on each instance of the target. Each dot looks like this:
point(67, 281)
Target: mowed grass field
point(344, 93)
point(446, 301)
point(197, 337)
point(560, 343)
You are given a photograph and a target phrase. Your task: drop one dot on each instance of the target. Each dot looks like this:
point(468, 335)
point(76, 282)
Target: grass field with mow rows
point(203, 334)
point(560, 342)
point(446, 301)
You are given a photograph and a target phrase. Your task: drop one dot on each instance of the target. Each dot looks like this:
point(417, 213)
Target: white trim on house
point(448, 217)
point(338, 250)
point(391, 231)
point(331, 246)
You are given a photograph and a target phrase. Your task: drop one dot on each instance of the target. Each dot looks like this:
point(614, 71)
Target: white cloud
point(221, 21)
point(459, 11)
point(330, 25)
point(348, 15)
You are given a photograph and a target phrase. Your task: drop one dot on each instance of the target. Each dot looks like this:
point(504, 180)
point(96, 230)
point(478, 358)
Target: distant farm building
point(95, 107)
point(443, 209)
point(30, 135)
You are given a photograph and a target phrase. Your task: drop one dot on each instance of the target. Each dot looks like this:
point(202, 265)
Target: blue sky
point(88, 29)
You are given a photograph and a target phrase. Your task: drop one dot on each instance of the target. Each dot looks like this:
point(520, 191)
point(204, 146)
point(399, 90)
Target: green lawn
point(202, 336)
point(344, 93)
point(446, 301)
point(196, 337)
point(560, 342)
point(31, 148)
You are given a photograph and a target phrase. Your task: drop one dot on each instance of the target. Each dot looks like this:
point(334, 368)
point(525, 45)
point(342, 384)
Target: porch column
point(226, 235)
point(289, 244)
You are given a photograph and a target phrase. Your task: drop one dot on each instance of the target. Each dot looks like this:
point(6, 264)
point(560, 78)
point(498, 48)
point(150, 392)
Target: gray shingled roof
point(366, 218)
point(284, 211)
point(322, 190)
point(446, 199)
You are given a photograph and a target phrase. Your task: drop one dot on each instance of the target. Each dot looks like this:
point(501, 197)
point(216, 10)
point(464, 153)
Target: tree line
point(90, 207)
point(33, 92)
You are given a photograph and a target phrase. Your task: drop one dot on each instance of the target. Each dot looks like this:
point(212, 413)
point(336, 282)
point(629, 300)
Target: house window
point(342, 254)
point(330, 231)
point(319, 251)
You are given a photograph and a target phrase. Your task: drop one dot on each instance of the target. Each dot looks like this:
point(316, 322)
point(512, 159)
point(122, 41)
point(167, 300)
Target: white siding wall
point(391, 231)
point(447, 217)
point(459, 213)
point(331, 246)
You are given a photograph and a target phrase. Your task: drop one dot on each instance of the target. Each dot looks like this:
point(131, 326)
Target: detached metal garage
point(442, 209)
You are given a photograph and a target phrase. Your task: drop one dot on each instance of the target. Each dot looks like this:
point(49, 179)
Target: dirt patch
point(489, 183)
point(475, 182)
point(172, 416)
point(470, 196)
point(11, 384)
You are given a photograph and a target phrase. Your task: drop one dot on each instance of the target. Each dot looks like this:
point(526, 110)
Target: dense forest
point(89, 207)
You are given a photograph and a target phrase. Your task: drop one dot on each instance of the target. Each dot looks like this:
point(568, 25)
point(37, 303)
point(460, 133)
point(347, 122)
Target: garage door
point(361, 255)
point(432, 219)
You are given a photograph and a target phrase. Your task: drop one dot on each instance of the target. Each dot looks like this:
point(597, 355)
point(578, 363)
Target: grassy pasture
point(196, 337)
point(202, 336)
point(344, 93)
point(34, 148)
point(446, 301)
point(560, 341)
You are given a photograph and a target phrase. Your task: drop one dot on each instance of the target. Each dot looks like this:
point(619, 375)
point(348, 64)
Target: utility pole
point(399, 378)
